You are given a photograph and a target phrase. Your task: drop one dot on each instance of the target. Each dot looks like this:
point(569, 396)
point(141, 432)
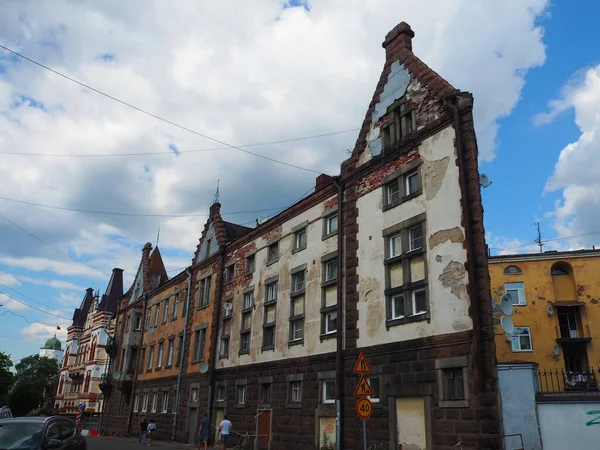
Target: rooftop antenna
point(538, 240)
point(216, 199)
point(157, 236)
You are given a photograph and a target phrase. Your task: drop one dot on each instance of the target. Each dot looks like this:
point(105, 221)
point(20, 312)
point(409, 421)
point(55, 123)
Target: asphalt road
point(94, 443)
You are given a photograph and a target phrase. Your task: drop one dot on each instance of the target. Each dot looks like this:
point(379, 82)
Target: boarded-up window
point(410, 423)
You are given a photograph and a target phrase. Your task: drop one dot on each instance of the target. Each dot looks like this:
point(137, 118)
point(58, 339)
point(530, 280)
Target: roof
point(53, 344)
point(114, 291)
point(549, 255)
point(157, 269)
point(235, 231)
point(80, 314)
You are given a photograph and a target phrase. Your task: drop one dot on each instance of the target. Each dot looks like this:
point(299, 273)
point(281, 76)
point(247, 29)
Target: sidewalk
point(132, 440)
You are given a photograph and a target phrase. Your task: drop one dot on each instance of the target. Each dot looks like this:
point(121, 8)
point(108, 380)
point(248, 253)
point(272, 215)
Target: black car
point(36, 433)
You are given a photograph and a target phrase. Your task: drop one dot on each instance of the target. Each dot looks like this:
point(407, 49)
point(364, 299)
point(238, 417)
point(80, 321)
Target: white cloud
point(576, 171)
point(69, 299)
point(260, 74)
point(40, 332)
point(8, 279)
point(11, 304)
point(54, 284)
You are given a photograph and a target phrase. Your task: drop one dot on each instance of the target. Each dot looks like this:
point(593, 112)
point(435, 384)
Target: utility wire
point(23, 295)
point(565, 238)
point(143, 111)
point(99, 155)
point(30, 321)
point(115, 213)
point(33, 307)
point(50, 245)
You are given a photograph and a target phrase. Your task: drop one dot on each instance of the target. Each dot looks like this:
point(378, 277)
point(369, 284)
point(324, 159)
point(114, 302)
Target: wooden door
point(192, 425)
point(263, 430)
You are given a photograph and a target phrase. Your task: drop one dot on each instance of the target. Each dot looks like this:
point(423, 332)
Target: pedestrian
point(143, 431)
point(225, 431)
point(204, 432)
point(151, 430)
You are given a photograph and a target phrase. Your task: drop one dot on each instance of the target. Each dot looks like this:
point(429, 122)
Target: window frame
point(218, 390)
point(150, 357)
point(229, 273)
point(159, 356)
point(517, 270)
point(514, 335)
point(327, 225)
point(240, 400)
point(265, 387)
point(268, 285)
point(204, 288)
point(272, 253)
point(199, 345)
point(136, 402)
point(520, 290)
point(137, 321)
point(323, 388)
point(170, 352)
point(442, 365)
point(165, 312)
point(156, 314)
point(165, 402)
point(250, 264)
point(175, 306)
point(298, 244)
point(400, 182)
point(375, 398)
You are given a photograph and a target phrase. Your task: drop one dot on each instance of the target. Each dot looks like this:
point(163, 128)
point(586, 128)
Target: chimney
point(399, 38)
point(215, 209)
point(147, 248)
point(322, 182)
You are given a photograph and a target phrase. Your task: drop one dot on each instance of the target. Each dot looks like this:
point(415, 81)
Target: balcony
point(563, 381)
point(573, 335)
point(76, 367)
point(71, 395)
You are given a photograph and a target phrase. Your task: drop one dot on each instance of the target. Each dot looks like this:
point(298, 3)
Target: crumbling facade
point(388, 259)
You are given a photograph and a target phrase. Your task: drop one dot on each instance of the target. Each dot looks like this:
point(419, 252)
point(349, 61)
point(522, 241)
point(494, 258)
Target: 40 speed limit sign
point(364, 408)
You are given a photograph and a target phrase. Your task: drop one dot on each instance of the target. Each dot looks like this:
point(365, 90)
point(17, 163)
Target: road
point(95, 443)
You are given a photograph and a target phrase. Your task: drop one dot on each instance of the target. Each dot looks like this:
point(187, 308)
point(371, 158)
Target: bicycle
point(243, 441)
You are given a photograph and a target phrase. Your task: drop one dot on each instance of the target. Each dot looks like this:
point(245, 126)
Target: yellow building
point(556, 298)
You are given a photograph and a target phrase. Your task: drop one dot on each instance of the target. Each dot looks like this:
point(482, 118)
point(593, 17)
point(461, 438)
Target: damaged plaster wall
point(447, 277)
point(288, 260)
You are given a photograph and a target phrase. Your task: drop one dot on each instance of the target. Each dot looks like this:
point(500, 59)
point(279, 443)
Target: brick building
point(279, 313)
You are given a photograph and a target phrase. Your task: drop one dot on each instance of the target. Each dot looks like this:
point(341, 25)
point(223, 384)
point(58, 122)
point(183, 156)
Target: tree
point(36, 375)
point(6, 377)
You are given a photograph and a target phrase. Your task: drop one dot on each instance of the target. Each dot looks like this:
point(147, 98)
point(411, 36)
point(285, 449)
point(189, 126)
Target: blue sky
point(274, 71)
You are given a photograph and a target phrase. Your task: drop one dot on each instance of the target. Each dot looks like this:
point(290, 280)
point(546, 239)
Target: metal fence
point(560, 380)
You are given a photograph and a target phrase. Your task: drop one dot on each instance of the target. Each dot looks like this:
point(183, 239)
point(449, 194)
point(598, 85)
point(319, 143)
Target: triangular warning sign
point(362, 365)
point(363, 388)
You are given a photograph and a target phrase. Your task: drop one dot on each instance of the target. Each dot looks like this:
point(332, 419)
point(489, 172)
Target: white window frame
point(205, 285)
point(159, 358)
point(248, 300)
point(521, 300)
point(175, 305)
point(157, 314)
point(328, 317)
point(166, 309)
point(240, 395)
point(394, 313)
point(414, 301)
point(137, 319)
point(245, 337)
point(296, 392)
point(329, 221)
point(150, 357)
point(271, 292)
point(324, 398)
point(392, 189)
point(299, 244)
point(218, 396)
point(392, 241)
point(295, 277)
point(170, 351)
point(136, 403)
point(373, 398)
point(145, 403)
point(410, 237)
point(165, 401)
point(328, 276)
point(516, 337)
point(407, 178)
point(294, 329)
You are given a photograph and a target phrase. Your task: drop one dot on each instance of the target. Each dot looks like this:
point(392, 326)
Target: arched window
point(513, 270)
point(67, 354)
point(560, 268)
point(88, 377)
point(61, 385)
point(563, 281)
point(92, 355)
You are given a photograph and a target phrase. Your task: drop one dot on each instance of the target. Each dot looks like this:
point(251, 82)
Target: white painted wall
point(449, 312)
point(316, 248)
point(570, 425)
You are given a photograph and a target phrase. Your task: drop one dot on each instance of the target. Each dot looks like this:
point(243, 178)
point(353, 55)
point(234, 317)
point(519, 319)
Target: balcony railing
point(555, 381)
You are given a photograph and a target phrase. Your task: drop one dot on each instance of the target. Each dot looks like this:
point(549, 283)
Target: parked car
point(37, 433)
point(5, 412)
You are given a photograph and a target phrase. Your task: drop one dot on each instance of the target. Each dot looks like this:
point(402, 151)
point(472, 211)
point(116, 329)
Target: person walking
point(225, 430)
point(151, 430)
point(204, 432)
point(143, 430)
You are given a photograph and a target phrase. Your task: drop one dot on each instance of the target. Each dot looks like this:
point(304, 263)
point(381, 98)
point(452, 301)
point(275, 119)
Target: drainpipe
point(453, 101)
point(185, 329)
point(215, 328)
point(137, 361)
point(339, 363)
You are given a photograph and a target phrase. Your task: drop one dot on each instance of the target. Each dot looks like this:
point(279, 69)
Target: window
point(224, 347)
point(297, 330)
point(220, 394)
point(248, 300)
point(330, 225)
point(264, 394)
point(142, 359)
point(268, 338)
point(199, 344)
point(184, 301)
point(136, 403)
point(250, 264)
point(165, 401)
point(205, 292)
point(298, 282)
point(452, 382)
point(513, 270)
point(127, 320)
point(271, 292)
point(521, 340)
point(166, 310)
point(330, 270)
point(297, 319)
point(406, 276)
point(273, 253)
point(240, 395)
point(148, 314)
point(245, 342)
point(330, 322)
point(170, 352)
point(560, 268)
point(179, 349)
point(156, 314)
point(194, 395)
point(401, 189)
point(151, 357)
point(154, 402)
point(160, 355)
point(516, 292)
point(295, 392)
point(300, 240)
point(145, 403)
point(402, 125)
point(376, 388)
point(137, 321)
point(327, 391)
point(229, 272)
point(175, 305)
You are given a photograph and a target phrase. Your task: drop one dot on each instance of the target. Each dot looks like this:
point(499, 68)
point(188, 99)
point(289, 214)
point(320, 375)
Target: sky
point(255, 72)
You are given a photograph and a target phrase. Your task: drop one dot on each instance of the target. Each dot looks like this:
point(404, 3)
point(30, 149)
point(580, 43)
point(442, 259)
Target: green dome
point(53, 344)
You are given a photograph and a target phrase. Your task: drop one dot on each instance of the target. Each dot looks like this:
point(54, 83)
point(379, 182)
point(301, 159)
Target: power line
point(23, 295)
point(143, 111)
point(51, 246)
point(100, 155)
point(536, 243)
point(115, 213)
point(33, 307)
point(27, 320)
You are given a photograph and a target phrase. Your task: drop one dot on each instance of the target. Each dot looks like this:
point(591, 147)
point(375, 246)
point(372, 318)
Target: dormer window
point(401, 125)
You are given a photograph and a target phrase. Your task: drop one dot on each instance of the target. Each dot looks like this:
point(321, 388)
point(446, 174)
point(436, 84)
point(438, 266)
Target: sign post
point(364, 407)
point(79, 412)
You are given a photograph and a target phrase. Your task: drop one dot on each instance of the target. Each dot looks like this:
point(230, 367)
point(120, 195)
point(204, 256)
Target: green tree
point(6, 377)
point(36, 376)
